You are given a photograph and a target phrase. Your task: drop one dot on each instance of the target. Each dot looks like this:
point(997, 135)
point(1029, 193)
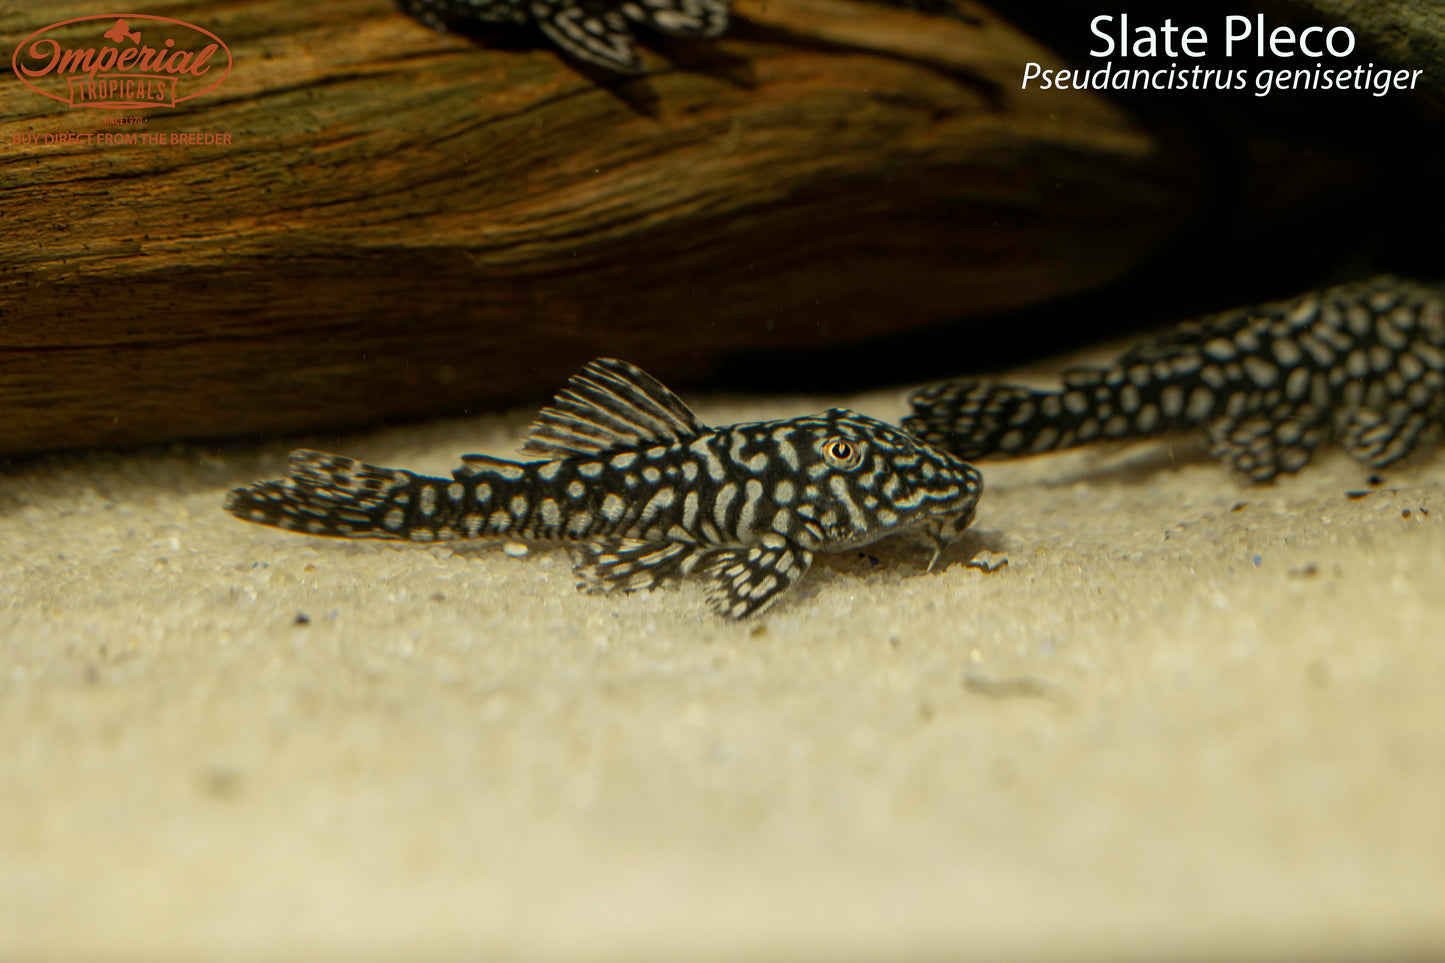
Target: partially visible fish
point(649, 494)
point(595, 31)
point(1363, 363)
point(599, 32)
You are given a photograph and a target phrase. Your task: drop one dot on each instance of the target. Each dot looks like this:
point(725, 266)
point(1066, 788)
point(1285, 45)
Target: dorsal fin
point(610, 404)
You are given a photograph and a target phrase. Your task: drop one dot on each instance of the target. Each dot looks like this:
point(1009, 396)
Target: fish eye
point(842, 454)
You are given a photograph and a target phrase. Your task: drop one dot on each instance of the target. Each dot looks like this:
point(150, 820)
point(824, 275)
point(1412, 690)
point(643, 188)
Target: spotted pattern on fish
point(598, 32)
point(649, 493)
point(1363, 363)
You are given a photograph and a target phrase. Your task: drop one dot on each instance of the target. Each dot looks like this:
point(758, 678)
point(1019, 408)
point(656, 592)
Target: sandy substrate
point(1187, 719)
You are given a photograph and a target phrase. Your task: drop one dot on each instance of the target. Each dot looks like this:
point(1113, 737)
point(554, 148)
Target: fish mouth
point(843, 536)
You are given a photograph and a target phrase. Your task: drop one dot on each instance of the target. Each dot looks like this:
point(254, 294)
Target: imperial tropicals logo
point(122, 61)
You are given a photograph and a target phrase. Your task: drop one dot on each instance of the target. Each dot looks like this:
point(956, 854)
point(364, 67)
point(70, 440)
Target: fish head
point(865, 479)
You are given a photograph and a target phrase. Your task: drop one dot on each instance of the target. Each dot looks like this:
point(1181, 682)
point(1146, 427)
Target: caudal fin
point(330, 495)
point(984, 419)
point(981, 419)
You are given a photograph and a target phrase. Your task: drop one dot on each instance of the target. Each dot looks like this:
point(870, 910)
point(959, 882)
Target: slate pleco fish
point(1364, 363)
point(649, 494)
point(595, 31)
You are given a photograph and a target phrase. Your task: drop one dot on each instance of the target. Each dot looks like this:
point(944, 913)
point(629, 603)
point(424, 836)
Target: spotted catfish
point(595, 31)
point(649, 494)
point(599, 32)
point(1363, 362)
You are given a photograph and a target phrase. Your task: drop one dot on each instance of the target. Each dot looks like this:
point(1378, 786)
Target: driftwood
point(1405, 34)
point(407, 223)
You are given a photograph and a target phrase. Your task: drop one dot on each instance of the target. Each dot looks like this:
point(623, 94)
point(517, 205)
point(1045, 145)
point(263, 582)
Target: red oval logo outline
point(15, 59)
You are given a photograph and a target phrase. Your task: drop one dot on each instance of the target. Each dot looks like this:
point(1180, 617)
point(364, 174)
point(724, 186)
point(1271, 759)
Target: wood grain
point(409, 223)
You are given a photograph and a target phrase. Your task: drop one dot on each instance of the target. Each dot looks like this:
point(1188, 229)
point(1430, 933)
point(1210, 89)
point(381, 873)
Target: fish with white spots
point(1363, 362)
point(648, 494)
point(598, 32)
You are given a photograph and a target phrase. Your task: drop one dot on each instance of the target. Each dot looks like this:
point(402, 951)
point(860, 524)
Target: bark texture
point(408, 223)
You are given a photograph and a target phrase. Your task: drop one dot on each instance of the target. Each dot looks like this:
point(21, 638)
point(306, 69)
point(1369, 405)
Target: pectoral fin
point(747, 581)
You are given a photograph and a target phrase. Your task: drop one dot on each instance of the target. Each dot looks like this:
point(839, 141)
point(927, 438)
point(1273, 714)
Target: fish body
point(598, 32)
point(1363, 363)
point(647, 493)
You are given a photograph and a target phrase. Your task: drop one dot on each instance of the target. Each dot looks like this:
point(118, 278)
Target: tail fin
point(331, 495)
point(983, 419)
point(979, 419)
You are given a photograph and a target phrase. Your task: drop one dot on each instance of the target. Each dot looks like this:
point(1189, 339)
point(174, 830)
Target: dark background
point(1303, 189)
